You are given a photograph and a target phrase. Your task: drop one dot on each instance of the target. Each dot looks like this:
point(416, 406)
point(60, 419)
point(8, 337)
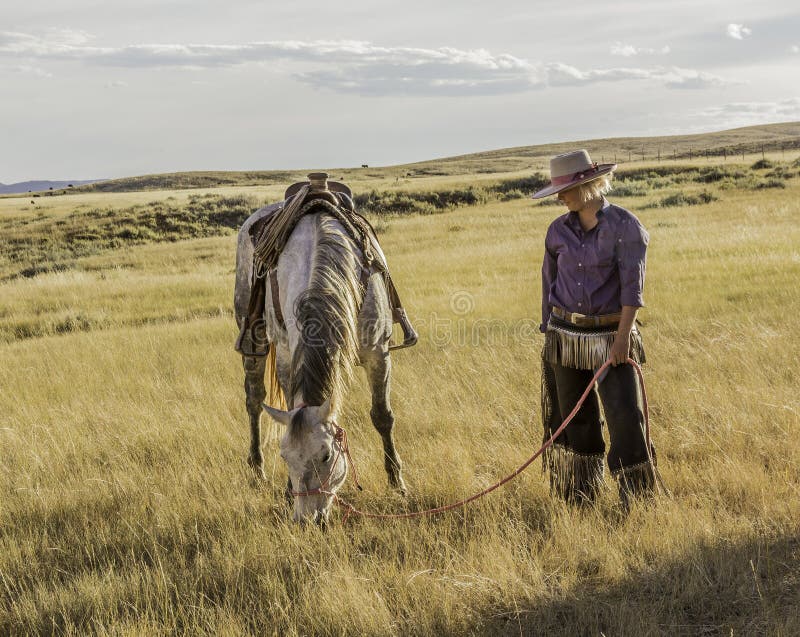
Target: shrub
point(781, 172)
point(770, 183)
point(531, 184)
point(762, 164)
point(712, 175)
point(415, 202)
point(682, 199)
point(629, 190)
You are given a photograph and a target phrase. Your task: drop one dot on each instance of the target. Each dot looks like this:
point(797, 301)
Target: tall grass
point(126, 506)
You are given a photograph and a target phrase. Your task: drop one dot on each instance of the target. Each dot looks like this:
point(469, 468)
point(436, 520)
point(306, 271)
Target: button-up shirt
point(594, 272)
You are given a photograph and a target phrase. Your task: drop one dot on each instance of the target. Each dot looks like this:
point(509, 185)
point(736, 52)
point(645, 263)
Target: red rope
point(342, 447)
point(351, 510)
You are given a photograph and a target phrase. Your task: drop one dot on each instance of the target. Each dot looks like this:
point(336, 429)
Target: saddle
point(269, 236)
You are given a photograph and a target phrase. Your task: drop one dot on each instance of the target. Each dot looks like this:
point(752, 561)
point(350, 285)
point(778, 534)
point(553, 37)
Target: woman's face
point(570, 198)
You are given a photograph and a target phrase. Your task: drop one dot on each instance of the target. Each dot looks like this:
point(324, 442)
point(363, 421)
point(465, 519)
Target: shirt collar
point(572, 216)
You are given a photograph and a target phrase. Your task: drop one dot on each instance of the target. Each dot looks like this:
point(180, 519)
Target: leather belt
point(583, 320)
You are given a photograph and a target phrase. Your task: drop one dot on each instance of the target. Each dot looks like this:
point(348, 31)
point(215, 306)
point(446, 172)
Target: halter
point(342, 447)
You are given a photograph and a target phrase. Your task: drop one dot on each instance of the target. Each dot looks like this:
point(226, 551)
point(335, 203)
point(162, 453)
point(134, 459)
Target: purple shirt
point(595, 272)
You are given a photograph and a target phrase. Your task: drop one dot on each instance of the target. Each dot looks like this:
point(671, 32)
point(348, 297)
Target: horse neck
point(326, 311)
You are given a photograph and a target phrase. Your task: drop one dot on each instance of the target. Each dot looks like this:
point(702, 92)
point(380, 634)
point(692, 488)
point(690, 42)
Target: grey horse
point(331, 325)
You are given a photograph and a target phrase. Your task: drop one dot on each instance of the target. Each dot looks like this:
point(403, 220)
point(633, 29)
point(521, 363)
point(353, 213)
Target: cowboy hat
point(572, 169)
point(320, 182)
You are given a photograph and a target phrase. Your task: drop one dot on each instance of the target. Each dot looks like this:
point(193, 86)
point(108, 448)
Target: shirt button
point(583, 245)
point(579, 283)
point(619, 240)
point(579, 304)
point(580, 265)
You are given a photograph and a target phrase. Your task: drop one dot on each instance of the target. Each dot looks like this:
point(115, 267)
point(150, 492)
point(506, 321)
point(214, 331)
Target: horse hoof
point(258, 475)
point(399, 487)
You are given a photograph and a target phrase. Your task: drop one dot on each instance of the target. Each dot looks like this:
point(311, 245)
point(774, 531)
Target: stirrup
point(410, 336)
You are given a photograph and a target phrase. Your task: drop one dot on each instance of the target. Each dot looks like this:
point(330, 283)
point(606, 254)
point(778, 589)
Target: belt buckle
point(575, 317)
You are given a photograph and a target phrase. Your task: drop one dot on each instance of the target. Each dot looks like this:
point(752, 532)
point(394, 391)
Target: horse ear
point(278, 415)
point(326, 410)
point(323, 412)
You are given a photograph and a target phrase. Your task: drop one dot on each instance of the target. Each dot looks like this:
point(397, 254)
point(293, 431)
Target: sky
point(111, 88)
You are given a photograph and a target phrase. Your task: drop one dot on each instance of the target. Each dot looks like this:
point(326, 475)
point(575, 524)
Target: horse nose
point(315, 517)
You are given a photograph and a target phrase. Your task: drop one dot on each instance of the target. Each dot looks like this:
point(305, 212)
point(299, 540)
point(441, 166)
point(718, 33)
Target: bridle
point(342, 448)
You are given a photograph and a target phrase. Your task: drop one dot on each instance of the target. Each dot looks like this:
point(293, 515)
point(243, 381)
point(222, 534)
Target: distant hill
point(728, 143)
point(39, 186)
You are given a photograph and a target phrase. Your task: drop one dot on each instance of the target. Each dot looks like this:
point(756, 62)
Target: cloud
point(353, 66)
point(671, 77)
point(738, 31)
point(628, 50)
point(788, 109)
point(25, 69)
point(691, 79)
point(115, 84)
point(794, 49)
point(68, 36)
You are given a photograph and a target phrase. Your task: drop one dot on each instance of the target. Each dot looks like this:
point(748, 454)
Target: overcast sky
point(109, 88)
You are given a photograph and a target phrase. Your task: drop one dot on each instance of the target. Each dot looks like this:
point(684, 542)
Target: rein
point(343, 447)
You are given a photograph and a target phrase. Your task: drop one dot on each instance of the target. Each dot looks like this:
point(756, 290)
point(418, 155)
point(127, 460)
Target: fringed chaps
point(575, 477)
point(636, 481)
point(585, 349)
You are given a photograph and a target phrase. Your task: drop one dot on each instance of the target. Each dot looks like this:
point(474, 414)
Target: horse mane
point(327, 313)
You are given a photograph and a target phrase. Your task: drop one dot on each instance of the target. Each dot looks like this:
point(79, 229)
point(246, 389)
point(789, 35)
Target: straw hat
point(572, 169)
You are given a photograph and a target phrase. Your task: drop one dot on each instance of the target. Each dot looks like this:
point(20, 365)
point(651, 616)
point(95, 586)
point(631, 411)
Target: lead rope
point(344, 448)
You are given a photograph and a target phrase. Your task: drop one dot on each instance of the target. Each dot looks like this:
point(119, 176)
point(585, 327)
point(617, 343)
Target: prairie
point(127, 508)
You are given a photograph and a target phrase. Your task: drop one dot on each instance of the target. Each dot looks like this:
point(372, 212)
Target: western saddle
point(270, 234)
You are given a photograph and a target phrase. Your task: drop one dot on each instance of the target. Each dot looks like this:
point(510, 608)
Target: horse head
point(313, 455)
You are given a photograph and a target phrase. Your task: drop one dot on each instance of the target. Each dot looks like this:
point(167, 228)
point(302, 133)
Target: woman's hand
point(620, 348)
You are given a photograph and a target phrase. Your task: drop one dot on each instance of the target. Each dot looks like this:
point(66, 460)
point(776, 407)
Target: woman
point(592, 280)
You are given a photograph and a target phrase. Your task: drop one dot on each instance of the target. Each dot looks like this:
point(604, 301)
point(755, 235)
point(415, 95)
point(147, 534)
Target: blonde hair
point(595, 188)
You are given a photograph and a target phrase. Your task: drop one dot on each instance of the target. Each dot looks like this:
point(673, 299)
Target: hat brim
point(602, 169)
point(333, 186)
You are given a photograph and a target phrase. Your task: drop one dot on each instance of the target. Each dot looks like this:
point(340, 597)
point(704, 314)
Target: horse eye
point(327, 457)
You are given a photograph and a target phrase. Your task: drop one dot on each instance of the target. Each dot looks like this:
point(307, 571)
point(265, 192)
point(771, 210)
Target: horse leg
point(255, 392)
point(379, 371)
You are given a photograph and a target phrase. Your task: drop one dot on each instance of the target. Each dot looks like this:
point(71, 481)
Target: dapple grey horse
point(331, 325)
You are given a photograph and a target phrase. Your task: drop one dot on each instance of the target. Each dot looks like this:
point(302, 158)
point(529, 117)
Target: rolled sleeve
point(632, 263)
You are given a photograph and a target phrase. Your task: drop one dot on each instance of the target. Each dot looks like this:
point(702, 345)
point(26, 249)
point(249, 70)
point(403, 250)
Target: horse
point(332, 323)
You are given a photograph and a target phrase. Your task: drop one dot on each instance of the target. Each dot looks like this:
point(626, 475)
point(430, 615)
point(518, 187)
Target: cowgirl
point(592, 280)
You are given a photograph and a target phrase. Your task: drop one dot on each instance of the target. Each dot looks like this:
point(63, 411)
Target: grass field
point(127, 508)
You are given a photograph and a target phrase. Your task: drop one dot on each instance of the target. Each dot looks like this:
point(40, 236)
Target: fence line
point(667, 152)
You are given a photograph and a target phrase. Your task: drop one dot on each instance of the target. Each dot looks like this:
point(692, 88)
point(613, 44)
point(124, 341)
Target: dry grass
point(126, 506)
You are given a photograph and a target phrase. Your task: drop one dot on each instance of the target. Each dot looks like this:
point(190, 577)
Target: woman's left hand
point(620, 348)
